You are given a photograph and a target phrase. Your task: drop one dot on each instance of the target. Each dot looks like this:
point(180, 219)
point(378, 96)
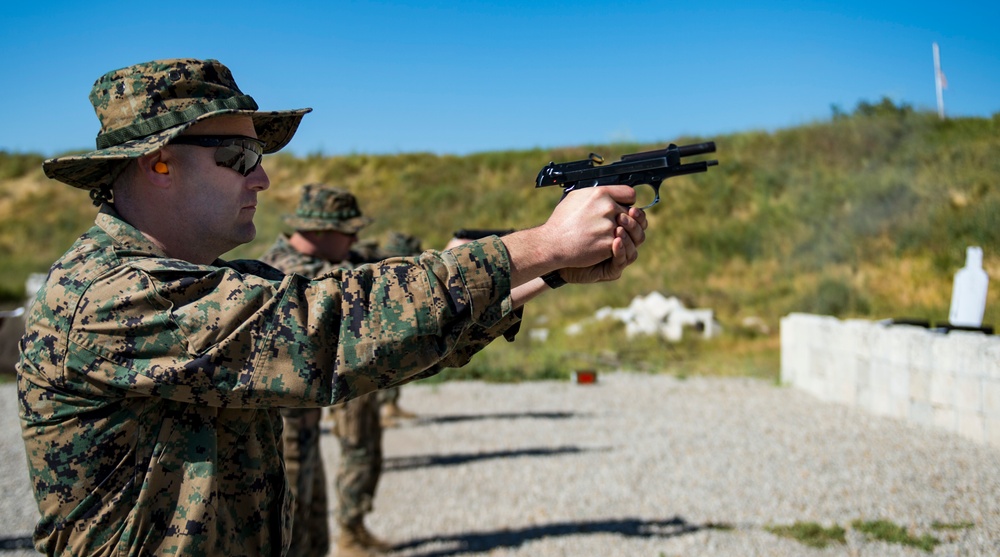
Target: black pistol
point(647, 168)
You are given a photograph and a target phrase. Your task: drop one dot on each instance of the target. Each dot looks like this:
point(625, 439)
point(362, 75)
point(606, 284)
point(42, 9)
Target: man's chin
point(244, 235)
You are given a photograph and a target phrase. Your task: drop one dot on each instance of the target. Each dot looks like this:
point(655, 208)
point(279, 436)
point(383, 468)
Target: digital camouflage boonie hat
point(324, 207)
point(144, 106)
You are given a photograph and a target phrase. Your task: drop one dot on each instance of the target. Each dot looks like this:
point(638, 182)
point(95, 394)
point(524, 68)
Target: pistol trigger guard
point(656, 195)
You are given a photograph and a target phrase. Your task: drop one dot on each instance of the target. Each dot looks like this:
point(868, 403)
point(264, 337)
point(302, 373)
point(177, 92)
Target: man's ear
point(155, 167)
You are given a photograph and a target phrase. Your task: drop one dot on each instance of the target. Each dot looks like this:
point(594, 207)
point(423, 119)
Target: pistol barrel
point(682, 151)
point(696, 149)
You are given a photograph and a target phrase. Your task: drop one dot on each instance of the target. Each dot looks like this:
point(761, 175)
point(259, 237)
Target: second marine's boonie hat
point(323, 207)
point(143, 107)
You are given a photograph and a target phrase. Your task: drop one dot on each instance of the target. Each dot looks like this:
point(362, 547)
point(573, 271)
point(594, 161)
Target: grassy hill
point(866, 215)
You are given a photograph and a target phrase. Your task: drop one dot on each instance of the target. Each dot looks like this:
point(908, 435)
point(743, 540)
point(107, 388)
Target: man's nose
point(258, 180)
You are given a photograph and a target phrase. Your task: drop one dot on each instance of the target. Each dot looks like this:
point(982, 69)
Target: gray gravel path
point(641, 465)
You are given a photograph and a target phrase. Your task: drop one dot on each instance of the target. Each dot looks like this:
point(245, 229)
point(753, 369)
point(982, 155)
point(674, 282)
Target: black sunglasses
point(238, 152)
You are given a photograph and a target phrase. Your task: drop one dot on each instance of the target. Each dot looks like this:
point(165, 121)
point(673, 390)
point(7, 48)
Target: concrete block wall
point(949, 381)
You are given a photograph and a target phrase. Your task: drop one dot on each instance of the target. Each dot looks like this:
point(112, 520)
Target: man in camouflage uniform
point(326, 223)
point(151, 371)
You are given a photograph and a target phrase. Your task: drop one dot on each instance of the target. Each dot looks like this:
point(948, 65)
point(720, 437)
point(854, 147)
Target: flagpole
point(937, 81)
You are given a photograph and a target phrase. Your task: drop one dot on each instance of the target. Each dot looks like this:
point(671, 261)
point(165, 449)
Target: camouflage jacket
point(148, 385)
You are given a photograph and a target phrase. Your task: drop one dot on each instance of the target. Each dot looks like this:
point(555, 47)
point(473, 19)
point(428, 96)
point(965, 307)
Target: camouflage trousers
point(306, 481)
point(360, 435)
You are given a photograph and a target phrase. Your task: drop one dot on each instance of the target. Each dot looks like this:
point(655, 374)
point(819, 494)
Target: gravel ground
point(641, 465)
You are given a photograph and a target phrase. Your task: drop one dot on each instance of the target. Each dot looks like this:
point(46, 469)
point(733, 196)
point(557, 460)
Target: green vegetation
point(952, 525)
point(15, 166)
point(810, 533)
point(815, 535)
point(893, 533)
point(866, 215)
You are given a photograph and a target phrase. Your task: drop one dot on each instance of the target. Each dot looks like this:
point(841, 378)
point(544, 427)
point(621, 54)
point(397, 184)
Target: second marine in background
point(326, 223)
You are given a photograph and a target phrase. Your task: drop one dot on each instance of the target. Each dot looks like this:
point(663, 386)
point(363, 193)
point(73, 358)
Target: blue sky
point(461, 77)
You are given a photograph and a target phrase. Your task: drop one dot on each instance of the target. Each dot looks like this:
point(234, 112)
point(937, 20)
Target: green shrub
point(810, 533)
point(893, 533)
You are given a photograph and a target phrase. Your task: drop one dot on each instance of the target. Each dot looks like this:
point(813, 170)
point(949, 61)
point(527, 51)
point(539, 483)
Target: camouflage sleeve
point(474, 339)
point(247, 336)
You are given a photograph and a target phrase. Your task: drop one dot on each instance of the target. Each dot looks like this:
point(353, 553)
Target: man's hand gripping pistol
point(649, 168)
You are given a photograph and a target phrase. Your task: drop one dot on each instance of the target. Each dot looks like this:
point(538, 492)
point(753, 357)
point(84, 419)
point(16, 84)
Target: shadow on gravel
point(478, 542)
point(23, 542)
point(428, 420)
point(399, 464)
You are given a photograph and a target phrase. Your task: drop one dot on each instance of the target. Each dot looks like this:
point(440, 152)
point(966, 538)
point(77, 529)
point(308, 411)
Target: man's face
point(332, 245)
point(218, 202)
